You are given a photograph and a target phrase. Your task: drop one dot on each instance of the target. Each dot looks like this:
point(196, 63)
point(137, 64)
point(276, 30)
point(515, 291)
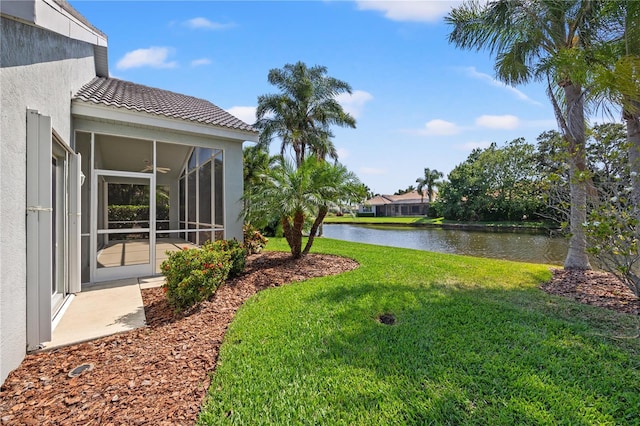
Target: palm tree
point(631, 113)
point(428, 182)
point(613, 228)
point(617, 75)
point(298, 195)
point(542, 40)
point(302, 114)
point(256, 163)
point(323, 148)
point(408, 189)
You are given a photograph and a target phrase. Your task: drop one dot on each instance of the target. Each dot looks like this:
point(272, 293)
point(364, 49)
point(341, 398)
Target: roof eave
point(80, 108)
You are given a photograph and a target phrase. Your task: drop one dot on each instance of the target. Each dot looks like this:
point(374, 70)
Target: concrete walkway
point(102, 310)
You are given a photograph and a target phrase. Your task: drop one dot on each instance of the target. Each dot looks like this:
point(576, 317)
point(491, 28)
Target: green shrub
point(135, 213)
point(254, 241)
point(236, 251)
point(192, 275)
point(436, 209)
point(365, 214)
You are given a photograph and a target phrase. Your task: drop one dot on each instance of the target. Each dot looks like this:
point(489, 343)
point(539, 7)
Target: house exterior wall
point(234, 183)
point(39, 70)
point(401, 209)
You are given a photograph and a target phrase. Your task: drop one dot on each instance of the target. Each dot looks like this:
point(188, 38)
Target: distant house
point(409, 204)
point(70, 138)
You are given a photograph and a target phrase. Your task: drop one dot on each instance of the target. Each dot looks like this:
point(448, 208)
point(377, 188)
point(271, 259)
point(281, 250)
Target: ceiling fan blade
point(149, 168)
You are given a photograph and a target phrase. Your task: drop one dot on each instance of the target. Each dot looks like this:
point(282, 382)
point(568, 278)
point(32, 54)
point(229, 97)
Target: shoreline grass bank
point(421, 221)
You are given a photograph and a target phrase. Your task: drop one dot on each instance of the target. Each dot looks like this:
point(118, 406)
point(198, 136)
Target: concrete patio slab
point(150, 282)
point(98, 311)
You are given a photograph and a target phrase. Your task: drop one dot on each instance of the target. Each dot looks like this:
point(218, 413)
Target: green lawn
point(475, 342)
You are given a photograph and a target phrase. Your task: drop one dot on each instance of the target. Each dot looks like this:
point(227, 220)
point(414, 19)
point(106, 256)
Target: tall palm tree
point(614, 228)
point(617, 75)
point(542, 40)
point(302, 114)
point(429, 181)
point(297, 195)
point(631, 112)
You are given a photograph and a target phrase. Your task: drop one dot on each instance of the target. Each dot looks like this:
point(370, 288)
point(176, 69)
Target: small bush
point(135, 213)
point(254, 241)
point(365, 214)
point(192, 275)
point(436, 209)
point(236, 251)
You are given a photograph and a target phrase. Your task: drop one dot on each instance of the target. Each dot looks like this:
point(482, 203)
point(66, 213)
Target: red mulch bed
point(154, 375)
point(159, 374)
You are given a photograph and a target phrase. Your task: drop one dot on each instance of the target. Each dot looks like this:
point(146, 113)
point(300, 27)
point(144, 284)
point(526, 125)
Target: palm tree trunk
point(299, 153)
point(293, 233)
point(298, 224)
point(632, 115)
point(633, 138)
point(577, 255)
point(314, 228)
point(288, 233)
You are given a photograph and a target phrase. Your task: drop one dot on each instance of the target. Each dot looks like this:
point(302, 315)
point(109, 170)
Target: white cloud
point(473, 73)
point(155, 57)
point(343, 153)
point(354, 103)
point(438, 127)
point(415, 11)
point(244, 113)
point(372, 171)
point(470, 146)
point(506, 122)
point(201, 61)
point(205, 24)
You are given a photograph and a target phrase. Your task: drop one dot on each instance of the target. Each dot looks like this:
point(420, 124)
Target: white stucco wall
point(38, 70)
point(234, 182)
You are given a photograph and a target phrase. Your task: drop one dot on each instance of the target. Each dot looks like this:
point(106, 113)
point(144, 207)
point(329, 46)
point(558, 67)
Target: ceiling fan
point(149, 168)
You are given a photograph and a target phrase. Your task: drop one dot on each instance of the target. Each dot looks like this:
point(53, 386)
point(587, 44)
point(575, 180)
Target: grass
point(421, 220)
point(475, 342)
point(403, 220)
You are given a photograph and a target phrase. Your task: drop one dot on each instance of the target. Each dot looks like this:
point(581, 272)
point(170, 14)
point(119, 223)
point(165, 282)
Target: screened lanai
point(162, 171)
point(143, 198)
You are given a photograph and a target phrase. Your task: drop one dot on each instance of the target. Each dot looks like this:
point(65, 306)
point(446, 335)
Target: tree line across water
point(588, 54)
point(523, 181)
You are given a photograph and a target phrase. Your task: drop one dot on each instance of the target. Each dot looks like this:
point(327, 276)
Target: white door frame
point(59, 205)
point(114, 273)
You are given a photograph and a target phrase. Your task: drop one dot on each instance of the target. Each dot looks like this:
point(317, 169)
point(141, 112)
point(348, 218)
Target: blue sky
point(419, 102)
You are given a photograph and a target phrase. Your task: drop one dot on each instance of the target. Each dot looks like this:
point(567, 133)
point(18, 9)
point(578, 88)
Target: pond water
point(524, 247)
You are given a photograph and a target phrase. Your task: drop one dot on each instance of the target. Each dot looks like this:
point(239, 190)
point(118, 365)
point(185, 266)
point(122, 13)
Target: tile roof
point(136, 97)
point(378, 200)
point(412, 197)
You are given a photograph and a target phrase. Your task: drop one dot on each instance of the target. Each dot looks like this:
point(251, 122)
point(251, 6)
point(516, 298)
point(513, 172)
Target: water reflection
point(534, 248)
